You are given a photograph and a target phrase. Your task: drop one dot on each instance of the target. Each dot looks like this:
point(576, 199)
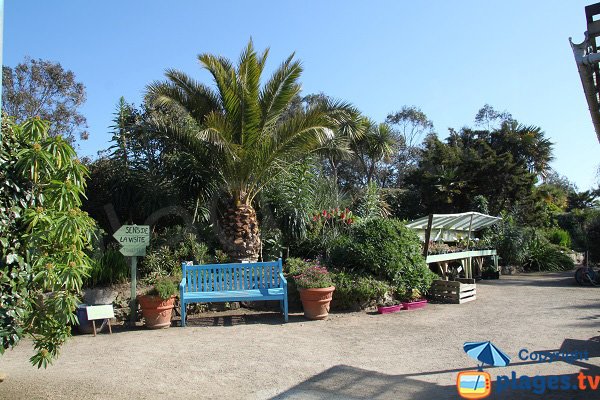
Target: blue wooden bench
point(214, 283)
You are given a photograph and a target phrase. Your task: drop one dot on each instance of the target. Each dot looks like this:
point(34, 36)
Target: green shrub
point(111, 267)
point(355, 292)
point(593, 234)
point(559, 237)
point(295, 266)
point(169, 249)
point(415, 279)
point(509, 240)
point(383, 248)
point(164, 288)
point(541, 255)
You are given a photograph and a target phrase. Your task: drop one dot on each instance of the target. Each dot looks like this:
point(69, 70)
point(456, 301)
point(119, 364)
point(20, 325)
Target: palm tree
point(250, 127)
point(378, 143)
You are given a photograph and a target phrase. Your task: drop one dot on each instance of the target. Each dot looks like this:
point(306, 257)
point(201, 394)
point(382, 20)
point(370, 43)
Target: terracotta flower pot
point(156, 311)
point(315, 302)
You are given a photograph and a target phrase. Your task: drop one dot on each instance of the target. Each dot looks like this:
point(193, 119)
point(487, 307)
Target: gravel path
point(407, 355)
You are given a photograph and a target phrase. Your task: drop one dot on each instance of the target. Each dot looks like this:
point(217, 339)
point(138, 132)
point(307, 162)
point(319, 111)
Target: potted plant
point(316, 290)
point(413, 300)
point(389, 306)
point(157, 305)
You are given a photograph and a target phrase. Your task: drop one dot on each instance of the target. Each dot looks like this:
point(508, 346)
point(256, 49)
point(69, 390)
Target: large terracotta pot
point(156, 311)
point(315, 302)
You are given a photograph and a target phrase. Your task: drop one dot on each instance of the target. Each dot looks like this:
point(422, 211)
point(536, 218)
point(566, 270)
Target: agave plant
point(250, 127)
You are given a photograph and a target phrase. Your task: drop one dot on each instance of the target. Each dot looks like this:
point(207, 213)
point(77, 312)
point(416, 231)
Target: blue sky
point(447, 57)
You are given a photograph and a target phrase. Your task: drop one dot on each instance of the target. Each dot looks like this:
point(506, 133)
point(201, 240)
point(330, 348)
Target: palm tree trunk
point(240, 235)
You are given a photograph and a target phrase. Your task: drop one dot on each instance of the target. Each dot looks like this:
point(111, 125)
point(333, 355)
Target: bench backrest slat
point(227, 277)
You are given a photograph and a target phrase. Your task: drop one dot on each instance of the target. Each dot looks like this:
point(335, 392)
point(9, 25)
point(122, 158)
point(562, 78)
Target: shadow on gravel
point(560, 279)
point(347, 382)
point(264, 318)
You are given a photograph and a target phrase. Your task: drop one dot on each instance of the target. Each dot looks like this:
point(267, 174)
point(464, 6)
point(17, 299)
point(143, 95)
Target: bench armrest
point(283, 280)
point(182, 284)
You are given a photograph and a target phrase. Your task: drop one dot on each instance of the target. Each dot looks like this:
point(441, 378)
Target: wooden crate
point(455, 292)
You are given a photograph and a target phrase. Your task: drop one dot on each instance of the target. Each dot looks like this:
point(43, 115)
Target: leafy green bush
point(169, 249)
point(355, 292)
point(164, 288)
point(509, 240)
point(559, 237)
point(541, 255)
point(383, 248)
point(295, 266)
point(111, 267)
point(415, 279)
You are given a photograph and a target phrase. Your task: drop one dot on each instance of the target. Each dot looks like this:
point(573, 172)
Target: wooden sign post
point(133, 240)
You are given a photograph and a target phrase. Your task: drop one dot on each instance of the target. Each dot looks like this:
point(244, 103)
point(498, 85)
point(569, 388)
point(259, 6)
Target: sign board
point(131, 251)
point(100, 312)
point(133, 235)
point(133, 239)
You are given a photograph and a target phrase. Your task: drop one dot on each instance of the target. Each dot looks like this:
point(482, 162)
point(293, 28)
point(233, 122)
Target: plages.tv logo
point(478, 384)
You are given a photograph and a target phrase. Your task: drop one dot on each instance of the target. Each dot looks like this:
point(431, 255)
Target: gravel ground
point(407, 355)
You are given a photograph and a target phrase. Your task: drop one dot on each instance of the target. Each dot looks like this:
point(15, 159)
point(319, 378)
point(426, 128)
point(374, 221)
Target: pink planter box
point(413, 305)
point(389, 309)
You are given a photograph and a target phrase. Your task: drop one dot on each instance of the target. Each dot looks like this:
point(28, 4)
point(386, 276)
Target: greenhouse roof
point(455, 222)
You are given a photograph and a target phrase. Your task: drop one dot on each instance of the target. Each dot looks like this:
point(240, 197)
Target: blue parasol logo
point(486, 353)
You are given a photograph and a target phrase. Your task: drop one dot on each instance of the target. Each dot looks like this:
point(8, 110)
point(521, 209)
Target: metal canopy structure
point(587, 58)
point(469, 221)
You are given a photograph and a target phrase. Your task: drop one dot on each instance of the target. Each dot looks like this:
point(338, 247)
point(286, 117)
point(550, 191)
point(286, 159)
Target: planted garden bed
point(454, 292)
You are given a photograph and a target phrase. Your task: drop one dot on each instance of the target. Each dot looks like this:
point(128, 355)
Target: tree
point(527, 144)
point(44, 236)
point(45, 89)
point(413, 126)
point(488, 118)
point(378, 143)
point(243, 123)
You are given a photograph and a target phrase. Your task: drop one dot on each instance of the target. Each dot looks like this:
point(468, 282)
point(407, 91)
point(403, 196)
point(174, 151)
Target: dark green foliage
point(380, 247)
point(559, 237)
point(528, 247)
point(582, 226)
point(355, 292)
point(415, 279)
point(509, 240)
point(501, 165)
point(295, 266)
point(386, 250)
point(111, 267)
point(44, 237)
point(169, 249)
point(593, 233)
point(541, 255)
point(164, 288)
point(352, 291)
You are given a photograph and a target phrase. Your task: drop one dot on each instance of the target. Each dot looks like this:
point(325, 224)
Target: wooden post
point(132, 303)
point(427, 236)
point(109, 327)
point(94, 325)
point(470, 261)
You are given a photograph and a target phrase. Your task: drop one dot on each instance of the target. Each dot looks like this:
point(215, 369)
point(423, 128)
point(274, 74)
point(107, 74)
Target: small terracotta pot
point(315, 302)
point(156, 311)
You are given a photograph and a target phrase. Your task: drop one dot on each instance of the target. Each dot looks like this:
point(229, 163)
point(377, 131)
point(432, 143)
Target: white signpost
point(133, 240)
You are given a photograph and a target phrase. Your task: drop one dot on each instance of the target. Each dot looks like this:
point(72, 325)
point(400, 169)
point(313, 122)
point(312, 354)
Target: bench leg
point(285, 309)
point(182, 314)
